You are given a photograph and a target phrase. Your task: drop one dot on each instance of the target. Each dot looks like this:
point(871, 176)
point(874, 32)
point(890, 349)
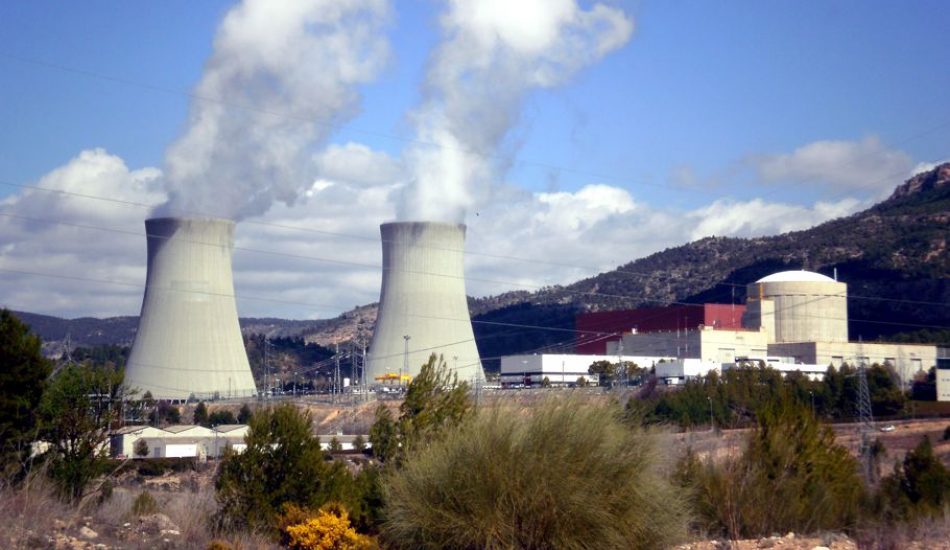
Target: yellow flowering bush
point(330, 529)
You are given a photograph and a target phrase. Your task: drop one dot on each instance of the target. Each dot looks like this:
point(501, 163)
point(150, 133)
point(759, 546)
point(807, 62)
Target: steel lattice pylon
point(866, 418)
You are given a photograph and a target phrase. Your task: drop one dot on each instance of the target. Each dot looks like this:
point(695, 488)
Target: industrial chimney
point(423, 308)
point(189, 340)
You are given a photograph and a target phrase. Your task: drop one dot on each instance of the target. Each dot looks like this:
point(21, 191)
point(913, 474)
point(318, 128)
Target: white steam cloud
point(493, 53)
point(281, 76)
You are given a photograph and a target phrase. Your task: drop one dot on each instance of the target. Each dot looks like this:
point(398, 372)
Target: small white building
point(179, 441)
point(677, 371)
point(122, 441)
point(559, 369)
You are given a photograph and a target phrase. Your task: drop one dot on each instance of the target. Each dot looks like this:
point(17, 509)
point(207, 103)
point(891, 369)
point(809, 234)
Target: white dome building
point(798, 306)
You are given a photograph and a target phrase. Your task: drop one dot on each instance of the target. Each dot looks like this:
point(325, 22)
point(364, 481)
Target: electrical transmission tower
point(866, 418)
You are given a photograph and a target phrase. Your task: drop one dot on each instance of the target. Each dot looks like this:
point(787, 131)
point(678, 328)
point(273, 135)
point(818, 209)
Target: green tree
point(789, 458)
point(383, 434)
point(220, 417)
point(359, 444)
point(82, 405)
point(283, 463)
point(23, 374)
point(923, 481)
point(244, 415)
point(201, 415)
point(141, 448)
point(435, 400)
point(605, 371)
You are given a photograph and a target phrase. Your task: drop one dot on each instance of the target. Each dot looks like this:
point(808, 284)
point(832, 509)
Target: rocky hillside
point(893, 256)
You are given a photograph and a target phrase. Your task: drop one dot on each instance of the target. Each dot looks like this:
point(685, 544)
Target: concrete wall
point(188, 340)
point(423, 296)
point(707, 345)
point(907, 359)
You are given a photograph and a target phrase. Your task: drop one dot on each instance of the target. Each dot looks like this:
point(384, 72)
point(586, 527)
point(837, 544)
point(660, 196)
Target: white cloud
point(867, 165)
point(756, 217)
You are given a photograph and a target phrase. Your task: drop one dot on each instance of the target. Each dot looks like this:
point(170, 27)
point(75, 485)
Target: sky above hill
point(569, 136)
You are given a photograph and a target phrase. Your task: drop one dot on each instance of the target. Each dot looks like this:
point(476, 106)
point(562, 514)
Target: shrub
point(329, 529)
point(334, 446)
point(789, 459)
point(563, 476)
point(282, 463)
point(359, 444)
point(140, 448)
point(144, 504)
point(919, 486)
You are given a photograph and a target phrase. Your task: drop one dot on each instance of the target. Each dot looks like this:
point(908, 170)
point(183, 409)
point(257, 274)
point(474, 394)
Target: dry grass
point(27, 512)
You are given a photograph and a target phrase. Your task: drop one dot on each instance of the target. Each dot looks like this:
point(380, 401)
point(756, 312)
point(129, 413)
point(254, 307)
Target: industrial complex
point(189, 344)
point(792, 320)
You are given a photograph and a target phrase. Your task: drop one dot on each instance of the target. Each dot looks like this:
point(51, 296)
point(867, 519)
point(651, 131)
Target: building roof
point(181, 428)
point(224, 428)
point(801, 276)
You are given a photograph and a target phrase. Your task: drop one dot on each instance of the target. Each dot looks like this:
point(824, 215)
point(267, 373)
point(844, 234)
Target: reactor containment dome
point(189, 341)
point(423, 308)
point(798, 306)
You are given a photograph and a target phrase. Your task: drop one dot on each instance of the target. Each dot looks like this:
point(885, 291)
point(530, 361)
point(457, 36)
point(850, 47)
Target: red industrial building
point(651, 319)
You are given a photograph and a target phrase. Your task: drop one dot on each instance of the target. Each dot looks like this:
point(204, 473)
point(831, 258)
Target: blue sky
point(704, 110)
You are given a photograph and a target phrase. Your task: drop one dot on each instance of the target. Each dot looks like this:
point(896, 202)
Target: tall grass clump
point(564, 475)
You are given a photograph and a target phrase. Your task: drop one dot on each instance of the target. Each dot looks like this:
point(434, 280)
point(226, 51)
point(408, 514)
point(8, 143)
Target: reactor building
point(798, 306)
point(423, 308)
point(189, 341)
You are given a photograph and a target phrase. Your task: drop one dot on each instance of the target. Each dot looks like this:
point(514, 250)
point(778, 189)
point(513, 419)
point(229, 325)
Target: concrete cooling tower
point(423, 298)
point(798, 306)
point(189, 341)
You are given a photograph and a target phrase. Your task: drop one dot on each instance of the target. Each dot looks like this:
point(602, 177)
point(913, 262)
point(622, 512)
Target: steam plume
point(281, 75)
point(493, 53)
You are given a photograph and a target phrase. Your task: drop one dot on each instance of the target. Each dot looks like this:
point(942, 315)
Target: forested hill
point(893, 256)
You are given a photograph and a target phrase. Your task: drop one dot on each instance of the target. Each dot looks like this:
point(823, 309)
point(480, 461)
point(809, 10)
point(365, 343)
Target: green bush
point(918, 487)
point(792, 476)
point(565, 475)
point(282, 464)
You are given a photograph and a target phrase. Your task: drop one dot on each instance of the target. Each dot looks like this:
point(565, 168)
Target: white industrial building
point(423, 308)
point(561, 369)
point(943, 374)
point(800, 317)
point(178, 441)
point(189, 342)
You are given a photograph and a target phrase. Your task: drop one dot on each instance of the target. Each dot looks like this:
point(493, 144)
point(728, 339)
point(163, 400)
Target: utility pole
point(336, 372)
point(365, 387)
point(867, 422)
point(266, 372)
point(620, 368)
point(405, 359)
